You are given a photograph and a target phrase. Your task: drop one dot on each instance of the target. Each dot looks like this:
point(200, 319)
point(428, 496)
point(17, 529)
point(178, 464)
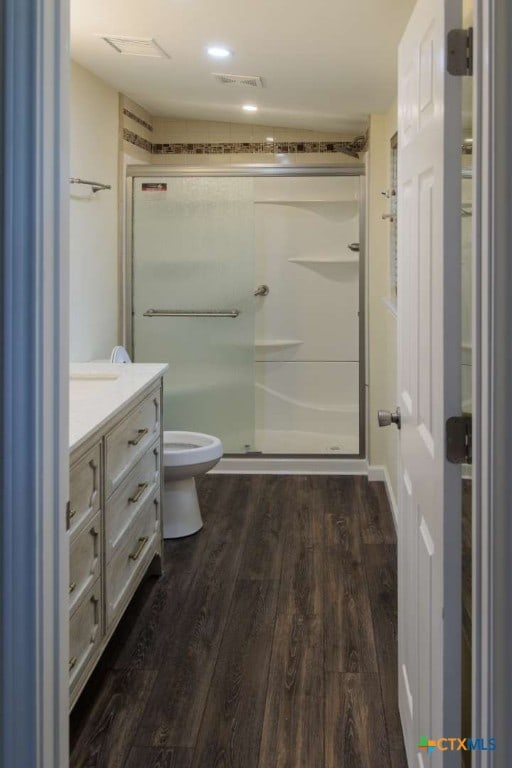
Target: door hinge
point(68, 515)
point(459, 439)
point(459, 52)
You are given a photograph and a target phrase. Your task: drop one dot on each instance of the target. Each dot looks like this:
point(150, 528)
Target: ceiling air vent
point(136, 46)
point(244, 81)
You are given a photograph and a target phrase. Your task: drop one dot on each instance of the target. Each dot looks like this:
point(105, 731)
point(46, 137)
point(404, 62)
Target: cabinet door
point(125, 504)
point(85, 632)
point(85, 560)
point(131, 439)
point(132, 557)
point(85, 479)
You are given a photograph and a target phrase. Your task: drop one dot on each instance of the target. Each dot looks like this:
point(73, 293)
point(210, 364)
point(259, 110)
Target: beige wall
point(93, 217)
point(178, 131)
point(168, 130)
point(303, 158)
point(199, 131)
point(382, 356)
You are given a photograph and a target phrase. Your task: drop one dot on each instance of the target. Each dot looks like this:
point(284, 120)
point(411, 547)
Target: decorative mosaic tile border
point(287, 147)
point(137, 119)
point(138, 141)
point(352, 148)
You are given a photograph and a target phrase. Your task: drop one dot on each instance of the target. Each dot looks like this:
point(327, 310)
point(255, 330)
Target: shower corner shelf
point(326, 260)
point(276, 343)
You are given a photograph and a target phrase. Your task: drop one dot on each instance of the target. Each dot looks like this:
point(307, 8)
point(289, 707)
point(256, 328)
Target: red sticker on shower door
point(154, 187)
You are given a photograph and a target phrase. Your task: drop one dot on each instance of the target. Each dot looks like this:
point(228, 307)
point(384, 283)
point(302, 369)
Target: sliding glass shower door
point(193, 300)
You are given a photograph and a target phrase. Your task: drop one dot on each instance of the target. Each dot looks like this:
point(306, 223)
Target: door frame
point(34, 481)
point(492, 380)
point(34, 639)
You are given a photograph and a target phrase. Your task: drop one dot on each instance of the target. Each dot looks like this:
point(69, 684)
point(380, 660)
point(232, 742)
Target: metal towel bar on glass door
point(191, 313)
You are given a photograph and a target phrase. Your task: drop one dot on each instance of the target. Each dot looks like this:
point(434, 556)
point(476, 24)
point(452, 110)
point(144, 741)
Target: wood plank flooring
point(270, 642)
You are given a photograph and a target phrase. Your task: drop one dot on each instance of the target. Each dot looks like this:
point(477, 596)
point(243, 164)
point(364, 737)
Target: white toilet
point(186, 455)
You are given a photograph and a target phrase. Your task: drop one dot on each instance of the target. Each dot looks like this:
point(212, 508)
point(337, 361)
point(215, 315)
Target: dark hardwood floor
point(269, 643)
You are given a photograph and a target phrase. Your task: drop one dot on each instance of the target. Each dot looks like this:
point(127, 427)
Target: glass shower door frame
point(159, 171)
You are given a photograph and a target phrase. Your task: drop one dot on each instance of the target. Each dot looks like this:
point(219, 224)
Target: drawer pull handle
point(136, 496)
point(141, 434)
point(72, 663)
point(72, 587)
point(142, 543)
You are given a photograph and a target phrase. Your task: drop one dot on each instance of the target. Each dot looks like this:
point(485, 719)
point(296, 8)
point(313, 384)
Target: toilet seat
point(182, 449)
point(186, 456)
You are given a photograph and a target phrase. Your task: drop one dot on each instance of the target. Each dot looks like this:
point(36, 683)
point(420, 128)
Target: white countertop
point(94, 401)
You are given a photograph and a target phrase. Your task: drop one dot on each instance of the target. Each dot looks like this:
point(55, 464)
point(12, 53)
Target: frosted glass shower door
point(193, 251)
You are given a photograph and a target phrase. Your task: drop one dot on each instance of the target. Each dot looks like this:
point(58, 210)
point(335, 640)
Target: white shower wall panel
point(302, 253)
point(312, 306)
point(307, 327)
point(300, 188)
point(307, 407)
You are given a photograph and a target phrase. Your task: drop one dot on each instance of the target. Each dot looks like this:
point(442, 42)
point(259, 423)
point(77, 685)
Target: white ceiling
point(326, 64)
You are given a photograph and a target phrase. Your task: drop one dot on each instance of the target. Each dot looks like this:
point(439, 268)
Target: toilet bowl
point(186, 455)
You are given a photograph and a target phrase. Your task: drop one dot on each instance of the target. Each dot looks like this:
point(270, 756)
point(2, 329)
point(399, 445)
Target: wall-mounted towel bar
point(96, 185)
point(191, 313)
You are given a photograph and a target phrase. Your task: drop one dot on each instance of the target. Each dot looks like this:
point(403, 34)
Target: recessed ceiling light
point(219, 52)
point(269, 138)
point(250, 108)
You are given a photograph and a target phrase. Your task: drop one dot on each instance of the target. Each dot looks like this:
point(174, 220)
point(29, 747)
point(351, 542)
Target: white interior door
point(429, 142)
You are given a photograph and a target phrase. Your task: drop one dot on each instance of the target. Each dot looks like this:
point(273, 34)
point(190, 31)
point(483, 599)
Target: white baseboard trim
point(278, 466)
point(376, 474)
point(380, 474)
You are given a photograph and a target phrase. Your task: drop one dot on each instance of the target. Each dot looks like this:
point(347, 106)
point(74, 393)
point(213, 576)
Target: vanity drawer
point(132, 557)
point(84, 633)
point(126, 503)
point(84, 493)
point(130, 439)
point(84, 560)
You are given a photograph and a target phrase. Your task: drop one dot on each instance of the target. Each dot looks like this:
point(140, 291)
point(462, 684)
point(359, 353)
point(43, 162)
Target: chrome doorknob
point(386, 418)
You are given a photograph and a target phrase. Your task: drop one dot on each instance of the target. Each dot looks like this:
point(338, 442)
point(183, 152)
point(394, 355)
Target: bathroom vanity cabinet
point(113, 521)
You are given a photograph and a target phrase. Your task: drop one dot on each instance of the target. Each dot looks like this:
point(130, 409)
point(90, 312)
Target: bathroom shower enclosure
point(249, 282)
